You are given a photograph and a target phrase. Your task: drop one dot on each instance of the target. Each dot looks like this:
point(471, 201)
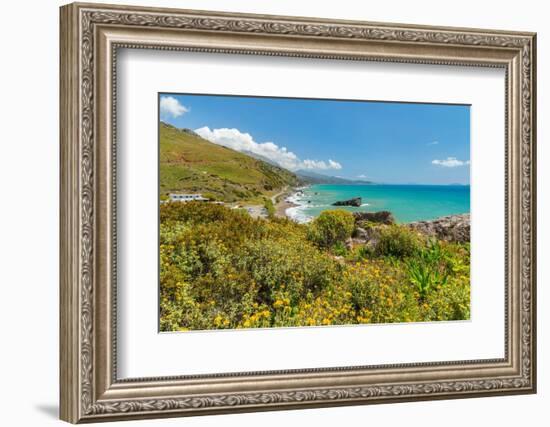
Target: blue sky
point(385, 142)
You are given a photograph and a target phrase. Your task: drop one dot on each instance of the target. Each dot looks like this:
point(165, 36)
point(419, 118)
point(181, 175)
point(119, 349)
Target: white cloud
point(170, 106)
point(450, 162)
point(318, 164)
point(362, 176)
point(334, 165)
point(244, 142)
point(433, 143)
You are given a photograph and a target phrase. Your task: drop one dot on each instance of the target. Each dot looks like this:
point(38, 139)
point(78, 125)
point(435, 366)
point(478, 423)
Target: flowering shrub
point(331, 228)
point(397, 241)
point(220, 268)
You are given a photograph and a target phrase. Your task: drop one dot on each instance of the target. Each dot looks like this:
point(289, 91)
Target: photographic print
point(287, 212)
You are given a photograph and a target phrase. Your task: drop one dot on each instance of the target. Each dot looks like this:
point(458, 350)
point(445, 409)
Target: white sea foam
point(297, 213)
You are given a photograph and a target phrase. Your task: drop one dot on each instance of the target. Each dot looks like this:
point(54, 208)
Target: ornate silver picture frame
point(91, 34)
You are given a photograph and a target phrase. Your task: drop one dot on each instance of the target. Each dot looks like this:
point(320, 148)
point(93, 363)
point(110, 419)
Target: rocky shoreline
point(452, 228)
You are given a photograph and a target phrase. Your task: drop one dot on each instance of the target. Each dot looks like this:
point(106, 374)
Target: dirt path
point(274, 198)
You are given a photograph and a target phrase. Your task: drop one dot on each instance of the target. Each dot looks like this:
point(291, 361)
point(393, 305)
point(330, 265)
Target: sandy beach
point(282, 204)
point(281, 207)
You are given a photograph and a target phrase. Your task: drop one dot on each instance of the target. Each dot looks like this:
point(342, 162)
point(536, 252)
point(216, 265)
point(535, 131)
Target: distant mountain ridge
point(310, 177)
point(318, 178)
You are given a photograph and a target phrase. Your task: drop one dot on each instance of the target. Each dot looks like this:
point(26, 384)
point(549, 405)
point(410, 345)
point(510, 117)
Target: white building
point(174, 197)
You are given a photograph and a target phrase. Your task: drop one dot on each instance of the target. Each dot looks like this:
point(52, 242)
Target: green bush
point(286, 265)
point(331, 227)
point(452, 300)
point(210, 196)
point(397, 241)
point(268, 205)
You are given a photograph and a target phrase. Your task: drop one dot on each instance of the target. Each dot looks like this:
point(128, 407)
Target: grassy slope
point(190, 163)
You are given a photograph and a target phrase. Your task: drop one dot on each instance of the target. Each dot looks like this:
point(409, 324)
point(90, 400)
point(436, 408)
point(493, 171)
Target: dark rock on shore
point(368, 236)
point(356, 201)
point(454, 228)
point(368, 226)
point(380, 217)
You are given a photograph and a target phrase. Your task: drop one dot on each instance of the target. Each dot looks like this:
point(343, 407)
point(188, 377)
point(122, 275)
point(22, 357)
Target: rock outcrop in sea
point(356, 201)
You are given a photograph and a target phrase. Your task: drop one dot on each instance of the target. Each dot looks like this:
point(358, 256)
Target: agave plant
point(425, 276)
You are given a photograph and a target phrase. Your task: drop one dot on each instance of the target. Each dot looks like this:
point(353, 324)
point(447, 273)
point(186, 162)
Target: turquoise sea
point(407, 202)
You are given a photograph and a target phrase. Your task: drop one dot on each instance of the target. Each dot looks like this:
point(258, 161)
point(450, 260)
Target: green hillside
point(189, 163)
